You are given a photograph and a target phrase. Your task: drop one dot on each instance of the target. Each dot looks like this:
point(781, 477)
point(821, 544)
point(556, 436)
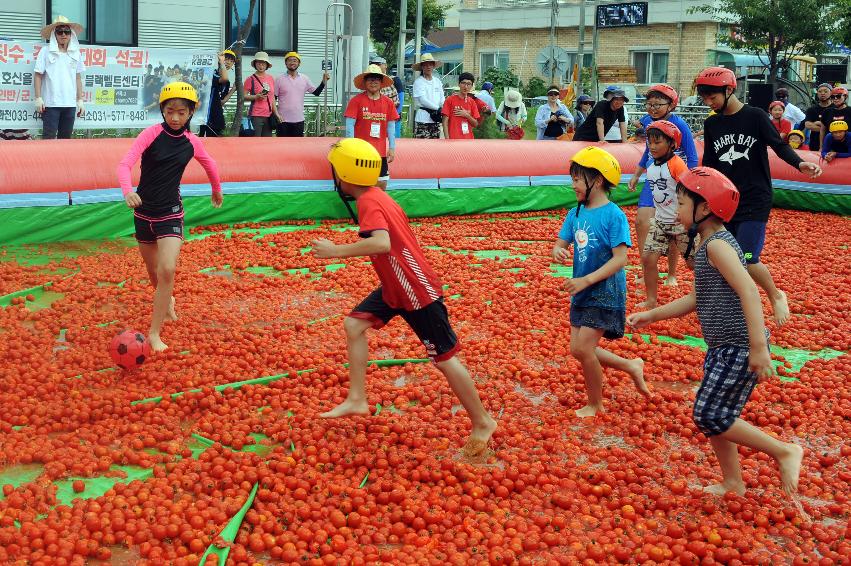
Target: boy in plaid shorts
point(730, 313)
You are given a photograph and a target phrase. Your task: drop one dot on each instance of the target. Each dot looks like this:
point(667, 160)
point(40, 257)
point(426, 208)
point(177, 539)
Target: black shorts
point(385, 171)
point(149, 230)
point(430, 324)
point(750, 234)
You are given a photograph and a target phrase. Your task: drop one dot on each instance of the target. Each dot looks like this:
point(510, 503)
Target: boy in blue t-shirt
point(599, 233)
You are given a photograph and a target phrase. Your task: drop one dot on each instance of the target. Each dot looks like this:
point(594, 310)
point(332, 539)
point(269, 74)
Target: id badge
point(375, 129)
point(465, 127)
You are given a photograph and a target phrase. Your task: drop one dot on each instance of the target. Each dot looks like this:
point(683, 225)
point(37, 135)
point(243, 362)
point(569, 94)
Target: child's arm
point(618, 261)
point(674, 309)
point(726, 261)
point(140, 144)
point(560, 253)
point(209, 165)
point(378, 242)
point(689, 148)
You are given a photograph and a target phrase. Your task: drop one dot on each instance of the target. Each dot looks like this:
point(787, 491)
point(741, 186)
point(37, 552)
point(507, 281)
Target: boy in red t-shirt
point(460, 111)
point(372, 117)
point(409, 288)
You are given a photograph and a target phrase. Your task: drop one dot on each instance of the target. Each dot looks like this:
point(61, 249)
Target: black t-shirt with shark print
point(737, 145)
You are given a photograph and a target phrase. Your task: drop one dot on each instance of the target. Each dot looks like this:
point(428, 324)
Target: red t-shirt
point(460, 128)
point(783, 126)
point(260, 107)
point(367, 112)
point(407, 280)
point(482, 105)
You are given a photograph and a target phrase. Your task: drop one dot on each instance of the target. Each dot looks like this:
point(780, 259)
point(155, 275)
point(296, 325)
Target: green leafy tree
point(384, 23)
point(841, 15)
point(501, 77)
point(535, 87)
point(775, 30)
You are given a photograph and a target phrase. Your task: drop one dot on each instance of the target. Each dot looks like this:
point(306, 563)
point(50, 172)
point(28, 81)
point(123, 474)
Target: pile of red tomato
point(391, 488)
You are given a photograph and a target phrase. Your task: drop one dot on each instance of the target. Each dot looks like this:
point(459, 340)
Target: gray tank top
point(719, 308)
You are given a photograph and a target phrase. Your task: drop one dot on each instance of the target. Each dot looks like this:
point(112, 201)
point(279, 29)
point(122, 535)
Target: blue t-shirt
point(593, 235)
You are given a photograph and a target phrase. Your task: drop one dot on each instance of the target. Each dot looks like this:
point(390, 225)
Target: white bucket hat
point(513, 99)
point(47, 31)
point(261, 56)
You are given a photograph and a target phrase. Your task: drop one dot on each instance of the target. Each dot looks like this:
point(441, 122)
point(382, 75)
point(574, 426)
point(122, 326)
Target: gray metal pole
point(580, 52)
point(595, 79)
point(418, 49)
point(403, 37)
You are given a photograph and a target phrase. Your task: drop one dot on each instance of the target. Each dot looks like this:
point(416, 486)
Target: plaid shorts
point(425, 131)
point(660, 235)
point(726, 387)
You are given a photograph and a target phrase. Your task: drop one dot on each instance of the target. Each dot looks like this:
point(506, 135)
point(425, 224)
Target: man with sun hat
point(371, 116)
point(58, 78)
point(291, 88)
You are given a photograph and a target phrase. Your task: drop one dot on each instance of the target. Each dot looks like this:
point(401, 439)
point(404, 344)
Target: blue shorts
point(750, 234)
point(645, 200)
point(726, 387)
point(610, 321)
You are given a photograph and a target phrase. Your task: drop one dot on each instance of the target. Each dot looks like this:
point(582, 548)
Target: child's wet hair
point(186, 102)
point(577, 170)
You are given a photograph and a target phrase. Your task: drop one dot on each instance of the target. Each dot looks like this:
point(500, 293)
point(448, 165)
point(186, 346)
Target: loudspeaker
point(760, 95)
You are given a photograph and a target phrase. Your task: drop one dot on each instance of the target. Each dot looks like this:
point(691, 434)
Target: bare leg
point(583, 346)
point(642, 226)
point(462, 385)
point(673, 260)
point(787, 454)
point(149, 255)
point(168, 250)
point(779, 304)
point(650, 265)
point(731, 471)
point(358, 348)
point(633, 367)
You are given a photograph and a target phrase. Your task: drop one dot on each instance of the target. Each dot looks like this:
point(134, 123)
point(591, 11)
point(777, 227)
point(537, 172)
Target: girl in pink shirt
point(165, 150)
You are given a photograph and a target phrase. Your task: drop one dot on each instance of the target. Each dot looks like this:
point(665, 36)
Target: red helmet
point(776, 103)
point(716, 76)
point(718, 191)
point(666, 91)
point(840, 90)
point(668, 129)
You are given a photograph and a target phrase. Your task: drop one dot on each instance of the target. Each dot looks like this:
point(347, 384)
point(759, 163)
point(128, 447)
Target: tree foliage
point(841, 16)
point(501, 77)
point(384, 23)
point(775, 30)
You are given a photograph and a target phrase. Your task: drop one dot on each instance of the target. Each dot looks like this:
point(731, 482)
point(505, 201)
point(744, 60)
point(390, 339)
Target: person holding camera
point(553, 118)
point(429, 97)
point(263, 111)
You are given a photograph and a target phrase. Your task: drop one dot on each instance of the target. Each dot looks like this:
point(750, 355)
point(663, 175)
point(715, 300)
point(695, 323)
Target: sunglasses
point(552, 94)
point(837, 96)
point(63, 31)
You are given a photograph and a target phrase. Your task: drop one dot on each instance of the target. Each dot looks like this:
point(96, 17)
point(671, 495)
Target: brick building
point(673, 46)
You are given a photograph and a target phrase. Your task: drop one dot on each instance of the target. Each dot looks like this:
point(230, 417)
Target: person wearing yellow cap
point(836, 143)
point(291, 88)
point(409, 288)
point(220, 92)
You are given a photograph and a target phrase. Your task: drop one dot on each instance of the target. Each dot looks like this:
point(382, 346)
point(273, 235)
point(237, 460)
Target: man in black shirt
point(839, 110)
point(219, 94)
point(736, 140)
point(813, 119)
point(605, 113)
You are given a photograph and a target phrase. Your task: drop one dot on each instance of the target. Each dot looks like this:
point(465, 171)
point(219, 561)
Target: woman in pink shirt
point(258, 89)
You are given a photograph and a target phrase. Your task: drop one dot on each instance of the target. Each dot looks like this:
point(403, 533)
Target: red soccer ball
point(129, 349)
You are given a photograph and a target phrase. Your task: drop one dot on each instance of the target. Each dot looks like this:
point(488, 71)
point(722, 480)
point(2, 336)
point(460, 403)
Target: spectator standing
point(791, 112)
point(552, 117)
point(258, 89)
point(460, 111)
point(220, 92)
point(486, 94)
point(396, 91)
point(605, 113)
point(781, 124)
point(371, 116)
point(290, 89)
point(614, 135)
point(813, 116)
point(58, 78)
point(584, 104)
point(511, 113)
point(429, 98)
point(839, 111)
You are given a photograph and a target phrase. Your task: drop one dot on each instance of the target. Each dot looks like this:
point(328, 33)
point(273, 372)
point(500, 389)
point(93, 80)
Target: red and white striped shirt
point(408, 282)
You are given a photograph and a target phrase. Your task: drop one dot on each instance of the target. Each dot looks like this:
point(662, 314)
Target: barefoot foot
point(671, 281)
point(648, 304)
point(171, 314)
point(589, 411)
point(157, 345)
point(636, 372)
point(346, 409)
point(780, 306)
point(479, 438)
point(723, 488)
point(790, 468)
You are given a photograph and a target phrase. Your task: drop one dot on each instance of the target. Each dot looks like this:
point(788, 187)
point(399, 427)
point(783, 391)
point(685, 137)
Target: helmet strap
point(347, 199)
point(692, 233)
point(588, 188)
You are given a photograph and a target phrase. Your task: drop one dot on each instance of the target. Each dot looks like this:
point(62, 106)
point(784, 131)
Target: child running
point(730, 313)
point(737, 138)
point(165, 150)
point(409, 288)
point(599, 232)
point(665, 233)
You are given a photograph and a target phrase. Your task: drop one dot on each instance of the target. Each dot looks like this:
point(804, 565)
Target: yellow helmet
point(229, 52)
point(600, 160)
point(838, 126)
point(355, 161)
point(178, 90)
point(293, 54)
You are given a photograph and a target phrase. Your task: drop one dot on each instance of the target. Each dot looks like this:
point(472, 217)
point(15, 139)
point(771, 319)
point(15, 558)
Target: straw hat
point(513, 99)
point(261, 56)
point(47, 31)
point(427, 58)
point(360, 80)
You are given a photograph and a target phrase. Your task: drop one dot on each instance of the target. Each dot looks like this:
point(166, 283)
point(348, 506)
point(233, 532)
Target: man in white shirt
point(792, 112)
point(429, 97)
point(58, 78)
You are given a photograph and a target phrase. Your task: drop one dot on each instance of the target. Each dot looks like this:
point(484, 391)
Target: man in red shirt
point(371, 116)
point(460, 111)
point(409, 288)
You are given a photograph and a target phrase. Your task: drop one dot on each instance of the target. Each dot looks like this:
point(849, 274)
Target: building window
point(498, 59)
point(651, 66)
point(273, 25)
point(573, 58)
point(105, 22)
